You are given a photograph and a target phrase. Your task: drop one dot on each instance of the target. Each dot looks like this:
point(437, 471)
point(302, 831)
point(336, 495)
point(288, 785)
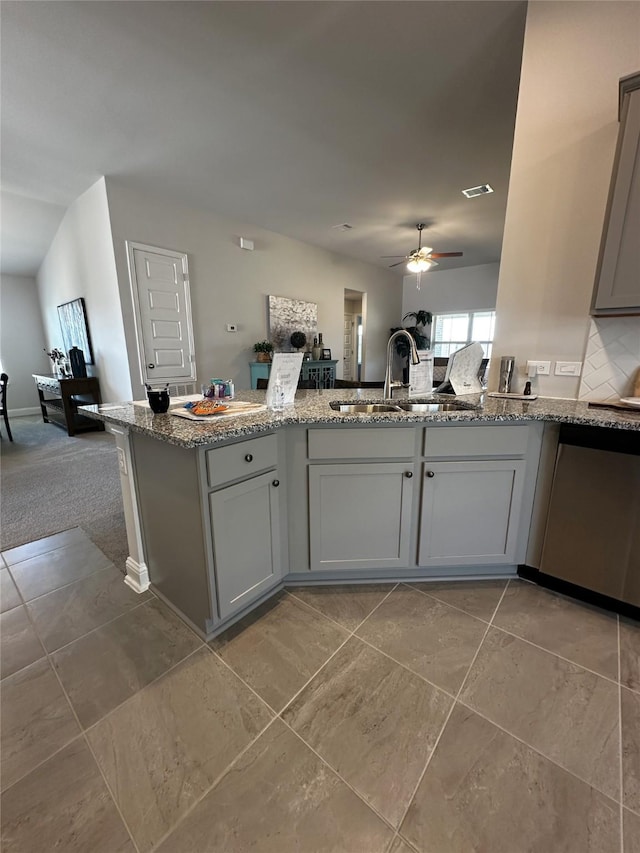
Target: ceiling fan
point(421, 259)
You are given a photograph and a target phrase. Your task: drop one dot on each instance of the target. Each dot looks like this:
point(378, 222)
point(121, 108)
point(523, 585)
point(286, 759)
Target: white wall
point(22, 342)
point(565, 135)
point(445, 291)
point(80, 262)
point(231, 285)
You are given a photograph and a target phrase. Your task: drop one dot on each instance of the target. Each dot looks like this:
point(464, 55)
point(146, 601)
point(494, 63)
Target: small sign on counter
point(283, 379)
point(421, 375)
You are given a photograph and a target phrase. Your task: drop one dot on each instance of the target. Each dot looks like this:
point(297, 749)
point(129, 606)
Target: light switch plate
point(568, 368)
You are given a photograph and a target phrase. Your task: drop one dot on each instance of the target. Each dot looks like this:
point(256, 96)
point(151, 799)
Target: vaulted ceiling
point(292, 116)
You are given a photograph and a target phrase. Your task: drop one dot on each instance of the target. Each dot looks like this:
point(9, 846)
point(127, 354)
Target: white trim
point(137, 321)
point(137, 576)
point(22, 413)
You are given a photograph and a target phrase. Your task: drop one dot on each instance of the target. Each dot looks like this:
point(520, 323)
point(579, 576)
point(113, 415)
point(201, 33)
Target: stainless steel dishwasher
point(592, 536)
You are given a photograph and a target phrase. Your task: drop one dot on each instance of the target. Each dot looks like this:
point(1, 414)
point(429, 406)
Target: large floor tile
point(374, 722)
point(46, 572)
point(479, 598)
point(431, 638)
point(577, 631)
point(9, 595)
point(68, 613)
point(348, 604)
point(630, 714)
point(280, 648)
point(630, 653)
point(486, 791)
point(165, 747)
point(558, 708)
point(42, 546)
point(631, 832)
point(102, 669)
point(400, 846)
point(36, 720)
point(280, 797)
point(19, 644)
point(63, 806)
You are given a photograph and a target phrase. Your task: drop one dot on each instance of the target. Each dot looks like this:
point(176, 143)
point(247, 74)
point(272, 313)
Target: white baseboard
point(137, 576)
point(22, 413)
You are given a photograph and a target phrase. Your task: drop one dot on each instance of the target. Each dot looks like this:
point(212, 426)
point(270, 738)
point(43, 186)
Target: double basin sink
point(422, 406)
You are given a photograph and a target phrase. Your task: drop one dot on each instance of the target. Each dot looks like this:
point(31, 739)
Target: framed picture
point(326, 355)
point(75, 331)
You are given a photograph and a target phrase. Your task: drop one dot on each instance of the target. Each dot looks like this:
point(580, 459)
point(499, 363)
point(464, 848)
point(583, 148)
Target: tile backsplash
point(612, 358)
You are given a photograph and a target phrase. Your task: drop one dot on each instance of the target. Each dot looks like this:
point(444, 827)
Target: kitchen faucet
point(389, 384)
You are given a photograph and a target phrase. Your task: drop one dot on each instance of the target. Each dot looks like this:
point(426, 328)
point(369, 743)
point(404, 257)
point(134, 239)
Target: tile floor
point(482, 716)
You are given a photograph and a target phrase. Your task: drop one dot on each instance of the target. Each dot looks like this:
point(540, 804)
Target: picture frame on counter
point(325, 355)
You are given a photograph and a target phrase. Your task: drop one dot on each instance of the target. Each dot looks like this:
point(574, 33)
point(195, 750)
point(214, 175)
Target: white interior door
point(347, 355)
point(162, 305)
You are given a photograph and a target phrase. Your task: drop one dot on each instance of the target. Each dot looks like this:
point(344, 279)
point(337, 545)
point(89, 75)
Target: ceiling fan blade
point(394, 256)
point(445, 255)
point(396, 265)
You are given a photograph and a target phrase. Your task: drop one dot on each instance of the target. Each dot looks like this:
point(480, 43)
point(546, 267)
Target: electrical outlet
point(231, 327)
point(542, 368)
point(568, 368)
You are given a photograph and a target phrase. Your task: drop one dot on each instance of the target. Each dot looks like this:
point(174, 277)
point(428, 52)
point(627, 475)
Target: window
point(450, 332)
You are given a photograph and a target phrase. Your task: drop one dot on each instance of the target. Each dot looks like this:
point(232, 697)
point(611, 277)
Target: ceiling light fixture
point(420, 264)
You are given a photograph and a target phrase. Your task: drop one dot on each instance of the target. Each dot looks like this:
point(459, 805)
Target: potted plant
point(263, 350)
point(417, 332)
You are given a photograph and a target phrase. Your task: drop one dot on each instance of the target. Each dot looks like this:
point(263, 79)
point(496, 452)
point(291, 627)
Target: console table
point(323, 373)
point(63, 396)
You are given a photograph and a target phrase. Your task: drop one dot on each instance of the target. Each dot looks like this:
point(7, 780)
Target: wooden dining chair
point(4, 380)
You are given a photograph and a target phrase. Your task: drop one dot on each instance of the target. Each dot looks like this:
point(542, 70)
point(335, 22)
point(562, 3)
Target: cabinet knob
point(431, 473)
point(248, 457)
point(151, 366)
point(408, 474)
point(276, 483)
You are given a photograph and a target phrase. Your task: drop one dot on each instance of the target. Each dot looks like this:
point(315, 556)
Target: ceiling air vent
point(483, 189)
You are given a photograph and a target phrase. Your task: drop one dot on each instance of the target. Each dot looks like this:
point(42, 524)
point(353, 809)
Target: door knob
point(276, 483)
point(408, 474)
point(248, 458)
point(151, 366)
point(431, 473)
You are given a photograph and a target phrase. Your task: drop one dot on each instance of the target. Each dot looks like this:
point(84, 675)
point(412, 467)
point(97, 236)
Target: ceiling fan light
point(419, 264)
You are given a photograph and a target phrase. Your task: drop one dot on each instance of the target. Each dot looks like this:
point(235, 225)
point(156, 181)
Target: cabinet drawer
point(465, 441)
point(361, 443)
point(241, 460)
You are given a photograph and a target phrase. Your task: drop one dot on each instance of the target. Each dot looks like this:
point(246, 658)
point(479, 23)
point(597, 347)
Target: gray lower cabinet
point(360, 515)
point(245, 523)
point(470, 512)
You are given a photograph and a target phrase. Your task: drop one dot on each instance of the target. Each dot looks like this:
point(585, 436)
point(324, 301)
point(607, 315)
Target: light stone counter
point(312, 407)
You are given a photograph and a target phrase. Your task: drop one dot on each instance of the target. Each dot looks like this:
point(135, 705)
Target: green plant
point(417, 332)
point(298, 340)
point(263, 346)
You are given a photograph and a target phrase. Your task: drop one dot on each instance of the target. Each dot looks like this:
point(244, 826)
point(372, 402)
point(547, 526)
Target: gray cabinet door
point(246, 529)
point(618, 274)
point(470, 512)
point(360, 515)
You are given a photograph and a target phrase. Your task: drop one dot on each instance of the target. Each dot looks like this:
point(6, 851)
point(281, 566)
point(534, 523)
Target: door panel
point(470, 512)
point(360, 515)
point(160, 285)
point(246, 528)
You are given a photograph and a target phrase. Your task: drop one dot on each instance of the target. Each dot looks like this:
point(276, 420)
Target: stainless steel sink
point(363, 408)
point(435, 407)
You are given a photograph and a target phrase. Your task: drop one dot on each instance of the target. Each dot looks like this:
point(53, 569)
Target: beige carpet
point(50, 482)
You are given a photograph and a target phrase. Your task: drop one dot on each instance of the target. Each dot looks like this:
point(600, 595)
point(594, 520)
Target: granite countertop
point(312, 407)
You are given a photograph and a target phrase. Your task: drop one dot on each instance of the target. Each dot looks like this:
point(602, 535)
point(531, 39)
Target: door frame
point(137, 315)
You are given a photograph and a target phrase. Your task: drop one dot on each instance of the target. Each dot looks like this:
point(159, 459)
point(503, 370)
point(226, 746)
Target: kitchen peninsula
point(222, 514)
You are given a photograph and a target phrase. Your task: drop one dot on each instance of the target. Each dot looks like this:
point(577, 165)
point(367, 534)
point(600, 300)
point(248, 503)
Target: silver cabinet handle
point(431, 473)
point(408, 474)
point(248, 457)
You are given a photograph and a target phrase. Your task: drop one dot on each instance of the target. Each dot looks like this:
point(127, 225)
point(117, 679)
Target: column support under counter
point(137, 576)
